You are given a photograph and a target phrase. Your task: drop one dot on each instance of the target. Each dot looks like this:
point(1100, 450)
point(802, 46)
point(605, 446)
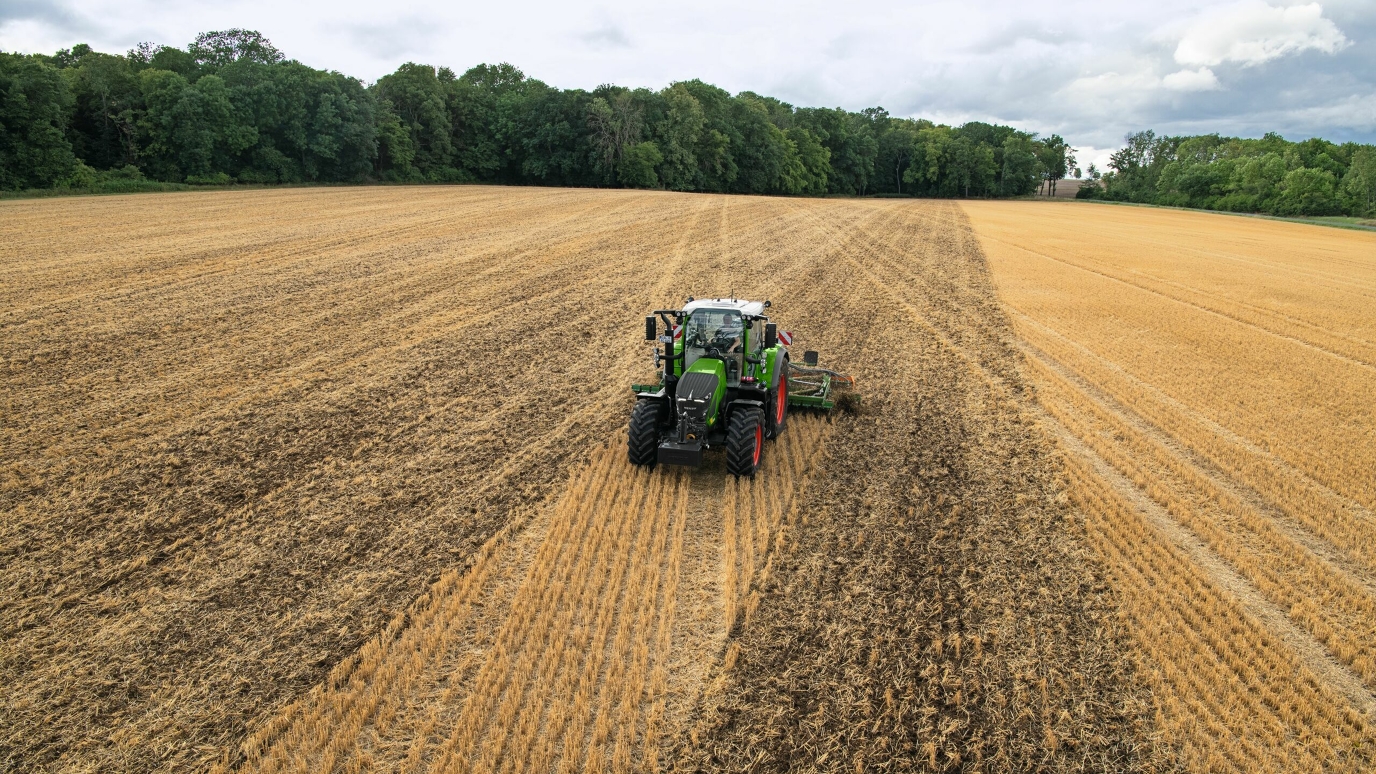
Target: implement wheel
point(642, 438)
point(778, 406)
point(744, 442)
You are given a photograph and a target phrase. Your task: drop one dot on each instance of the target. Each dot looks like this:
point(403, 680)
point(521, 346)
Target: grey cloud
point(396, 40)
point(606, 36)
point(845, 45)
point(1301, 94)
point(1011, 35)
point(50, 12)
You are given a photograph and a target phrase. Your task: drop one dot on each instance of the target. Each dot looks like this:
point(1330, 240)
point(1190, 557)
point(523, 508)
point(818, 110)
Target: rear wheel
point(642, 438)
point(744, 442)
point(778, 406)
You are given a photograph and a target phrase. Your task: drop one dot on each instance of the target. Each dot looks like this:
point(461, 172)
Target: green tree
point(310, 125)
point(106, 109)
point(678, 133)
point(1056, 158)
point(615, 123)
point(489, 109)
point(175, 60)
point(1021, 171)
point(717, 169)
point(972, 165)
point(34, 102)
point(850, 140)
point(766, 160)
point(895, 151)
point(395, 152)
point(929, 159)
point(814, 159)
point(1359, 184)
point(638, 164)
point(223, 47)
point(419, 100)
point(1308, 191)
point(555, 147)
point(189, 131)
point(1139, 164)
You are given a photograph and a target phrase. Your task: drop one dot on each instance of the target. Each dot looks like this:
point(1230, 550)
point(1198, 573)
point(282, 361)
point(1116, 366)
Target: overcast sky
point(1091, 71)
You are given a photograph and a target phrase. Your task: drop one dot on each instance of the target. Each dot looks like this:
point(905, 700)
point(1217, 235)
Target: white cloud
point(1202, 79)
point(1252, 32)
point(1112, 87)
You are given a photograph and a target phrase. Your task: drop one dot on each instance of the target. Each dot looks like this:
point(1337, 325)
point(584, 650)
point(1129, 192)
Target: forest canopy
point(1271, 175)
point(231, 107)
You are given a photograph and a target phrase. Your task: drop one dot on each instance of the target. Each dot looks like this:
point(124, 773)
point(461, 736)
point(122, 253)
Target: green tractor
point(727, 381)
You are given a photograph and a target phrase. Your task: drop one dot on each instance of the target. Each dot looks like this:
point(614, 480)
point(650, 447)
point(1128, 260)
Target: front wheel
point(744, 442)
point(642, 437)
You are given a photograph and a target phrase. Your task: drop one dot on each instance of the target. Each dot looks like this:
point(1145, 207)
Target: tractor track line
point(1311, 652)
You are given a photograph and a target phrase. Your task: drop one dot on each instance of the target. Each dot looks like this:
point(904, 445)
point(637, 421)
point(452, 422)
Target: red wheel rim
point(759, 441)
point(782, 399)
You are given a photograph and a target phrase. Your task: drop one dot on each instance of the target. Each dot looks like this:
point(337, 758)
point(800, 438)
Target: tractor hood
point(700, 390)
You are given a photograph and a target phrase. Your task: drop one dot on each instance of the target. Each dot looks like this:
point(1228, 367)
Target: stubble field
point(334, 480)
point(1213, 379)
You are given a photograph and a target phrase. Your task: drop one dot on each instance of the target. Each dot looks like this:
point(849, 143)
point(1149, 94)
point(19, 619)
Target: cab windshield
point(715, 333)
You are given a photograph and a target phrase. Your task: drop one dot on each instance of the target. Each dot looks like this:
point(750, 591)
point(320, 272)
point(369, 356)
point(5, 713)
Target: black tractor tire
point(744, 442)
point(642, 437)
point(777, 420)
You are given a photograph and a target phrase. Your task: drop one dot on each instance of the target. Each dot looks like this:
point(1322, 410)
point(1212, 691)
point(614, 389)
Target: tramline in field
point(727, 380)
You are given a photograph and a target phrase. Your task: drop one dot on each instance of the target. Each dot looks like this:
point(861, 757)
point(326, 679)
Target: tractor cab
point(723, 330)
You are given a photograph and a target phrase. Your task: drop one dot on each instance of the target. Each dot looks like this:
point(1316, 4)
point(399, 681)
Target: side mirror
point(766, 304)
point(651, 331)
point(771, 335)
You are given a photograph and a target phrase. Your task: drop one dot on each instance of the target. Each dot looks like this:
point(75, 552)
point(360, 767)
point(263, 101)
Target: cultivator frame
point(810, 386)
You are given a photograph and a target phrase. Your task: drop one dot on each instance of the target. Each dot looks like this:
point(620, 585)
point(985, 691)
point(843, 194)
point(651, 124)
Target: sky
point(1089, 71)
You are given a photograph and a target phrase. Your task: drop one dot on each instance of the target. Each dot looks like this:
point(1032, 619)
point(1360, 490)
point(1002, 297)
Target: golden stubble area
point(1213, 380)
point(332, 480)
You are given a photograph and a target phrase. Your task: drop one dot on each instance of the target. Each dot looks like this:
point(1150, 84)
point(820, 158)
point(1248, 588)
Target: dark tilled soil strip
point(936, 608)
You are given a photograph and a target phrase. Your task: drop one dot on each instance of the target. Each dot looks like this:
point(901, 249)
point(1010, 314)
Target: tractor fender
point(652, 395)
point(780, 371)
point(776, 360)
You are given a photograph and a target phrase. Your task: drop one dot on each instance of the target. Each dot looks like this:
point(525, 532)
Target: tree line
point(1271, 175)
point(230, 107)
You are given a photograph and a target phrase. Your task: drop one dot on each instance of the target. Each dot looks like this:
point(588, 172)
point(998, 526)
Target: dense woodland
point(1270, 175)
point(231, 108)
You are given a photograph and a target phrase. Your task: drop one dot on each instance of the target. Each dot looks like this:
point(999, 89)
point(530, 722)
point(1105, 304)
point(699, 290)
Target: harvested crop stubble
point(574, 673)
point(1214, 379)
point(242, 431)
point(933, 608)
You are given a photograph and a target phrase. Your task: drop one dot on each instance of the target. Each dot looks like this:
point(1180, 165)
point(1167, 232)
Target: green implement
point(812, 387)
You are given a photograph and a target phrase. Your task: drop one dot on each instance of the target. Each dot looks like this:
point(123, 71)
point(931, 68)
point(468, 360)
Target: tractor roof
point(744, 307)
